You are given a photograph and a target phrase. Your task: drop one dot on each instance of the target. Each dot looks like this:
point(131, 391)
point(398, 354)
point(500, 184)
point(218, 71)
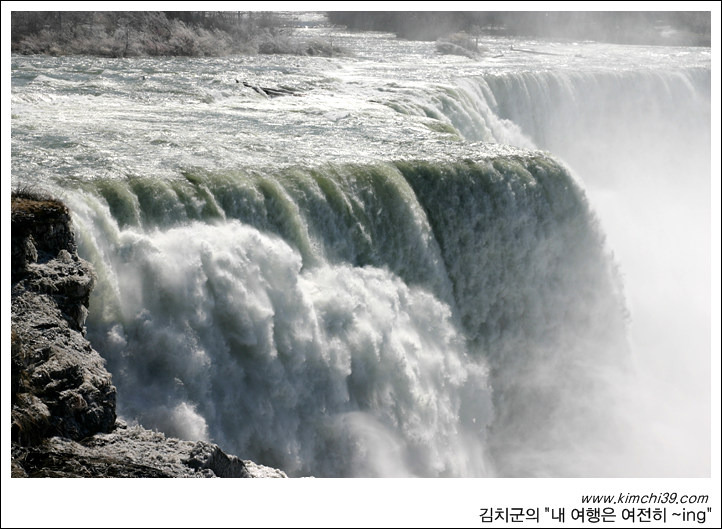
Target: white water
point(270, 280)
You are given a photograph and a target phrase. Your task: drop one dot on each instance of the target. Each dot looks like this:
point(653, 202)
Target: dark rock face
point(205, 456)
point(60, 384)
point(64, 420)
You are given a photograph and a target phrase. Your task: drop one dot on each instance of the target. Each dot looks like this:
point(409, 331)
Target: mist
point(643, 156)
point(656, 213)
point(623, 27)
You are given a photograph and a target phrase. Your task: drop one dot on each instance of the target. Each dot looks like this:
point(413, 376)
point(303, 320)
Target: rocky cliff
point(64, 421)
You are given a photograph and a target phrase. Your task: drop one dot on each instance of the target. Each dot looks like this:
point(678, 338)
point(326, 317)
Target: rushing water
point(412, 265)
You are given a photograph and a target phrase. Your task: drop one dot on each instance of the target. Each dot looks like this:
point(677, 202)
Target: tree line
point(157, 33)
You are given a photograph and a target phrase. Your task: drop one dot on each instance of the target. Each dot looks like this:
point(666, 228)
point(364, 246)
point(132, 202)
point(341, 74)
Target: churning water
point(412, 264)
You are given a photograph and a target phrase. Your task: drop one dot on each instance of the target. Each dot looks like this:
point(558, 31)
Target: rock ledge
point(64, 421)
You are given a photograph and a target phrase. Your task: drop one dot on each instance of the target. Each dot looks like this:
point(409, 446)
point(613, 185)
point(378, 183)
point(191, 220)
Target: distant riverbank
point(156, 33)
point(223, 33)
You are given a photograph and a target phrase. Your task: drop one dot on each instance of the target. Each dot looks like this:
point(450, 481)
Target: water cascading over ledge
point(297, 227)
point(427, 318)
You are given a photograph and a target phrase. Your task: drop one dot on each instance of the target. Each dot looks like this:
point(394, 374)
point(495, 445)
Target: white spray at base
point(413, 318)
point(295, 365)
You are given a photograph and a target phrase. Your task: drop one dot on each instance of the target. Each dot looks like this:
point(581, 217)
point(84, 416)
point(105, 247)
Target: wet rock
point(132, 452)
point(60, 384)
point(64, 421)
point(205, 456)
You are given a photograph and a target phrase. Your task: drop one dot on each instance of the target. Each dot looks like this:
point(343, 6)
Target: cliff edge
point(64, 421)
